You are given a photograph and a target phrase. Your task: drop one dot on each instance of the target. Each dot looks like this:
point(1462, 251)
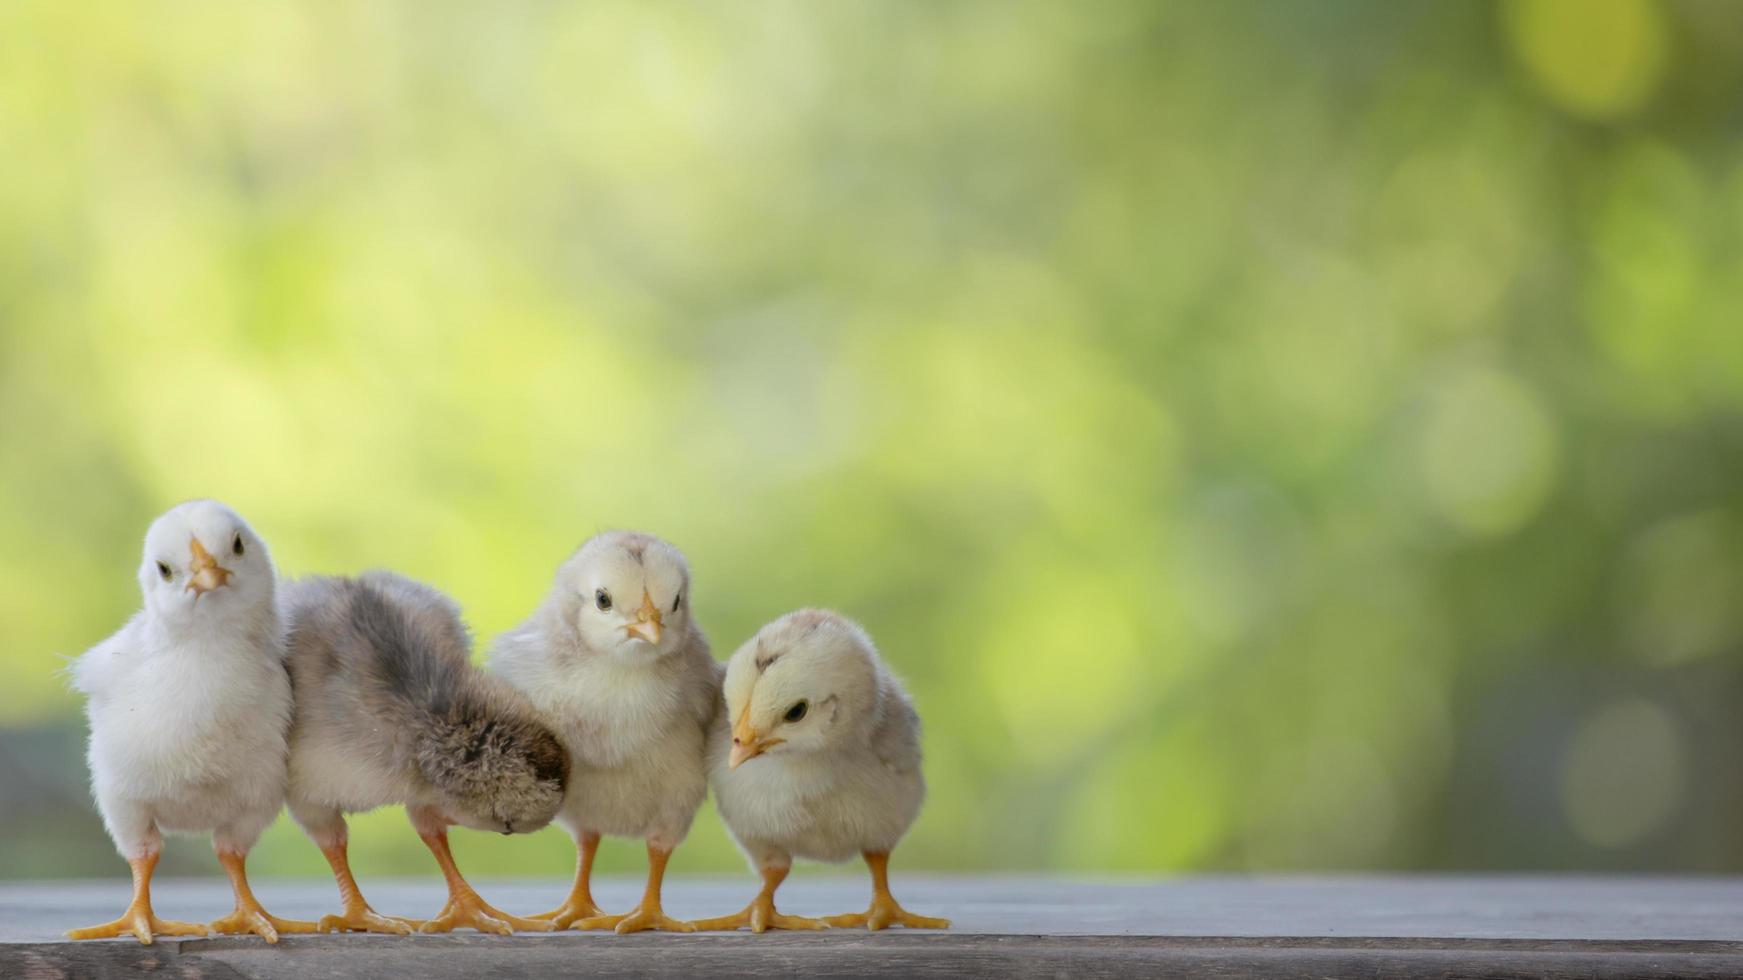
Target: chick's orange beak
point(205, 574)
point(648, 623)
point(746, 743)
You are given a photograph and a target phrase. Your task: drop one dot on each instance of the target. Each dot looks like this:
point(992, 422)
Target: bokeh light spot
point(1623, 776)
point(1595, 58)
point(1489, 452)
point(1680, 588)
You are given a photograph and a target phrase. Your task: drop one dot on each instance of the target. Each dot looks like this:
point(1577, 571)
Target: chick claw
point(761, 916)
point(366, 919)
point(885, 913)
point(637, 921)
point(256, 920)
point(140, 923)
point(465, 911)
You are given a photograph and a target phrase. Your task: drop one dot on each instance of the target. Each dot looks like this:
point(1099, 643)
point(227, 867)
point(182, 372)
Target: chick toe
point(570, 912)
point(469, 911)
point(366, 919)
point(638, 920)
point(140, 923)
point(885, 913)
point(760, 916)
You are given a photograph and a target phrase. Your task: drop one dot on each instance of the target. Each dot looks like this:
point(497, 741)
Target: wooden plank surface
point(1006, 925)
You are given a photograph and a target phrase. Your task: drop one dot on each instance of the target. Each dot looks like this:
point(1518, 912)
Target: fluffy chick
point(822, 762)
point(189, 704)
point(614, 658)
point(389, 709)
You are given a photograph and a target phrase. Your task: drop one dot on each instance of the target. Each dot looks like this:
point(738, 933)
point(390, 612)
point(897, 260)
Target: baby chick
point(823, 762)
point(614, 658)
point(389, 709)
point(189, 704)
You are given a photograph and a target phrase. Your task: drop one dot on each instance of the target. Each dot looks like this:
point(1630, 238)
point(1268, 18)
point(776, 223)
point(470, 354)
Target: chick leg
point(760, 914)
point(139, 921)
point(647, 915)
point(358, 916)
point(579, 904)
point(465, 908)
point(249, 916)
point(884, 911)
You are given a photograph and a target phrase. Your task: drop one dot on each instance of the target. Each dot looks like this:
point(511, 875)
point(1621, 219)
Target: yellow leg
point(465, 909)
point(358, 916)
point(139, 921)
point(249, 916)
point(884, 911)
point(760, 914)
point(579, 904)
point(647, 915)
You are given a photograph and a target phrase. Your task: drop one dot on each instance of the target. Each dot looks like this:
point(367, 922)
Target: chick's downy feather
point(634, 714)
point(390, 710)
point(189, 702)
point(841, 780)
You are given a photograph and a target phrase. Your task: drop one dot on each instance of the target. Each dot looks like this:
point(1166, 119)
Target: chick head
point(203, 560)
point(497, 771)
point(627, 595)
point(803, 683)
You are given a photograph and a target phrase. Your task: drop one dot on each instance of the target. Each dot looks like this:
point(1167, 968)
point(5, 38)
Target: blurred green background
point(1264, 435)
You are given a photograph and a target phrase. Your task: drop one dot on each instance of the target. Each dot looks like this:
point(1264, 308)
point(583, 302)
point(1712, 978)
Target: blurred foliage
point(1263, 435)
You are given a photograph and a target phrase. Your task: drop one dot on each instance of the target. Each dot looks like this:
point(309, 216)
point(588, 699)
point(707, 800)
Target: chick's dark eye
point(797, 711)
point(236, 545)
point(677, 599)
point(602, 598)
point(163, 570)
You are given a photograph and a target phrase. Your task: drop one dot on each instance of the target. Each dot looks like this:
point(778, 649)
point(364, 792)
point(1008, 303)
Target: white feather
point(189, 702)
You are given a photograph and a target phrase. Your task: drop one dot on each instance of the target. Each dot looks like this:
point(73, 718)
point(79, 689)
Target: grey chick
point(389, 709)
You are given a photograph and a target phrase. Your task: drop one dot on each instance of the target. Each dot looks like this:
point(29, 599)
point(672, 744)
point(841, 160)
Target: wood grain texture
point(1011, 926)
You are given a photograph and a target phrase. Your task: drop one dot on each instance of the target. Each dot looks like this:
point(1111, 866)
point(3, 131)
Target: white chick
point(189, 704)
point(614, 659)
point(390, 709)
point(823, 762)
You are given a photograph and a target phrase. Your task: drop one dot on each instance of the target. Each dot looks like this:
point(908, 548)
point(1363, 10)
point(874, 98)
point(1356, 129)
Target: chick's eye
point(797, 711)
point(602, 598)
point(163, 570)
point(677, 599)
point(236, 545)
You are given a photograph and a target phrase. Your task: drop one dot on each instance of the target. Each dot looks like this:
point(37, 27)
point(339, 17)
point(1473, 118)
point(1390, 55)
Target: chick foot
point(249, 916)
point(579, 904)
point(573, 910)
point(637, 920)
point(884, 914)
point(358, 916)
point(885, 911)
point(647, 915)
point(256, 920)
point(761, 916)
point(365, 919)
point(140, 923)
point(467, 910)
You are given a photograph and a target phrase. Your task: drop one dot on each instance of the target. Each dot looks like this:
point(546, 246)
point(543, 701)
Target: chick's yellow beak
point(205, 572)
point(648, 624)
point(746, 743)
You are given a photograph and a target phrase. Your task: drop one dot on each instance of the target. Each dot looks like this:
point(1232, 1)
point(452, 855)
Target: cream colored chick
point(189, 704)
point(822, 762)
point(614, 659)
